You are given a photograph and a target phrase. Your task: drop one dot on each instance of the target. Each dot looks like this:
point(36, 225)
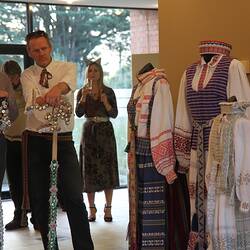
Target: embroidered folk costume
point(228, 215)
point(151, 161)
point(203, 86)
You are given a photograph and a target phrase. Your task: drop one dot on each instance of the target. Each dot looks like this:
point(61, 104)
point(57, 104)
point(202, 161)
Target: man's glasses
point(36, 34)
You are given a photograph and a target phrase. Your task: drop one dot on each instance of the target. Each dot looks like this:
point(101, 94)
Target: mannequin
point(208, 57)
point(232, 99)
point(146, 68)
point(204, 85)
point(228, 214)
point(152, 178)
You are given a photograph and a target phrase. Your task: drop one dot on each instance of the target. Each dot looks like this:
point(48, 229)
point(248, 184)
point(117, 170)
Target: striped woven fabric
point(204, 104)
point(215, 47)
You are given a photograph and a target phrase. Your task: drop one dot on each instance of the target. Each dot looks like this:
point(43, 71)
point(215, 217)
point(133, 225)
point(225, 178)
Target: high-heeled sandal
point(92, 216)
point(107, 214)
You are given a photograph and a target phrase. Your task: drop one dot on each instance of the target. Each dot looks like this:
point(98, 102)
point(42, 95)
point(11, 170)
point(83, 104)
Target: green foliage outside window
point(13, 23)
point(77, 31)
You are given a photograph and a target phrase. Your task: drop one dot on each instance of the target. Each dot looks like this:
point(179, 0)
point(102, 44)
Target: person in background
point(14, 147)
point(98, 155)
point(6, 92)
point(47, 82)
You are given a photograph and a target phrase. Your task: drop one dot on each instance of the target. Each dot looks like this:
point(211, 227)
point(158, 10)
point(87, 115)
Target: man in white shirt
point(47, 82)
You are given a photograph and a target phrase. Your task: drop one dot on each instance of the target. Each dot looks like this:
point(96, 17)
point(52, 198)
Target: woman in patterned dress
point(98, 154)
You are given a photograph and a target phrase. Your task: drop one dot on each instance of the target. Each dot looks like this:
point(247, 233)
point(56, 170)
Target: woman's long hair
point(100, 81)
point(99, 68)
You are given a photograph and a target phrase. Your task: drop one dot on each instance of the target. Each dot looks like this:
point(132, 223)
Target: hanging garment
point(226, 176)
point(203, 87)
point(151, 168)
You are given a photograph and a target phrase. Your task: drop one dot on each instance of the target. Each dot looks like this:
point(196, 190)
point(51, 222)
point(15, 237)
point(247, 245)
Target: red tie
point(44, 77)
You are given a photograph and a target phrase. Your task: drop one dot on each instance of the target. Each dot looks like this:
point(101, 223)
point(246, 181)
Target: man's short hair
point(37, 34)
point(12, 68)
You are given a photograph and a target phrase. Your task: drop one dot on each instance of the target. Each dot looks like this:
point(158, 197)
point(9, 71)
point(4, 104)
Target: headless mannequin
point(232, 99)
point(207, 57)
point(146, 68)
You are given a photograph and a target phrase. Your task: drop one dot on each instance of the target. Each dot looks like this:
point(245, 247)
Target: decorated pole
point(53, 195)
point(62, 111)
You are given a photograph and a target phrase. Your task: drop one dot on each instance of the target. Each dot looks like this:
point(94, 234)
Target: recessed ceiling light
point(69, 1)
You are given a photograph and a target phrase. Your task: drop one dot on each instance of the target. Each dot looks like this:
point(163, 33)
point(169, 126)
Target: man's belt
point(67, 136)
point(97, 119)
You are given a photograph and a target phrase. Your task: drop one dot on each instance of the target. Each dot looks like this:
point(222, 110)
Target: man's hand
point(53, 96)
point(4, 93)
point(40, 100)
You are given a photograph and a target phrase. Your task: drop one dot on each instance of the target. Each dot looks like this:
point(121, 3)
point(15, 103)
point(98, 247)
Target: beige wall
point(183, 23)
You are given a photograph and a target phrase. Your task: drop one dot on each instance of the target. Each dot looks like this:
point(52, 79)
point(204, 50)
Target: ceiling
point(141, 4)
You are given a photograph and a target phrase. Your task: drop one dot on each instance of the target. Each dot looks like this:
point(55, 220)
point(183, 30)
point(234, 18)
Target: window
point(88, 32)
point(13, 23)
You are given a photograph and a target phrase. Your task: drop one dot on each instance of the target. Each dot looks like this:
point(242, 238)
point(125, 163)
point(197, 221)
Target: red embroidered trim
point(171, 176)
point(202, 77)
point(193, 239)
point(182, 144)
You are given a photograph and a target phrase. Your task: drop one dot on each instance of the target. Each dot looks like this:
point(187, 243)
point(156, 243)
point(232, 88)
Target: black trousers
point(15, 175)
point(3, 148)
point(69, 185)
